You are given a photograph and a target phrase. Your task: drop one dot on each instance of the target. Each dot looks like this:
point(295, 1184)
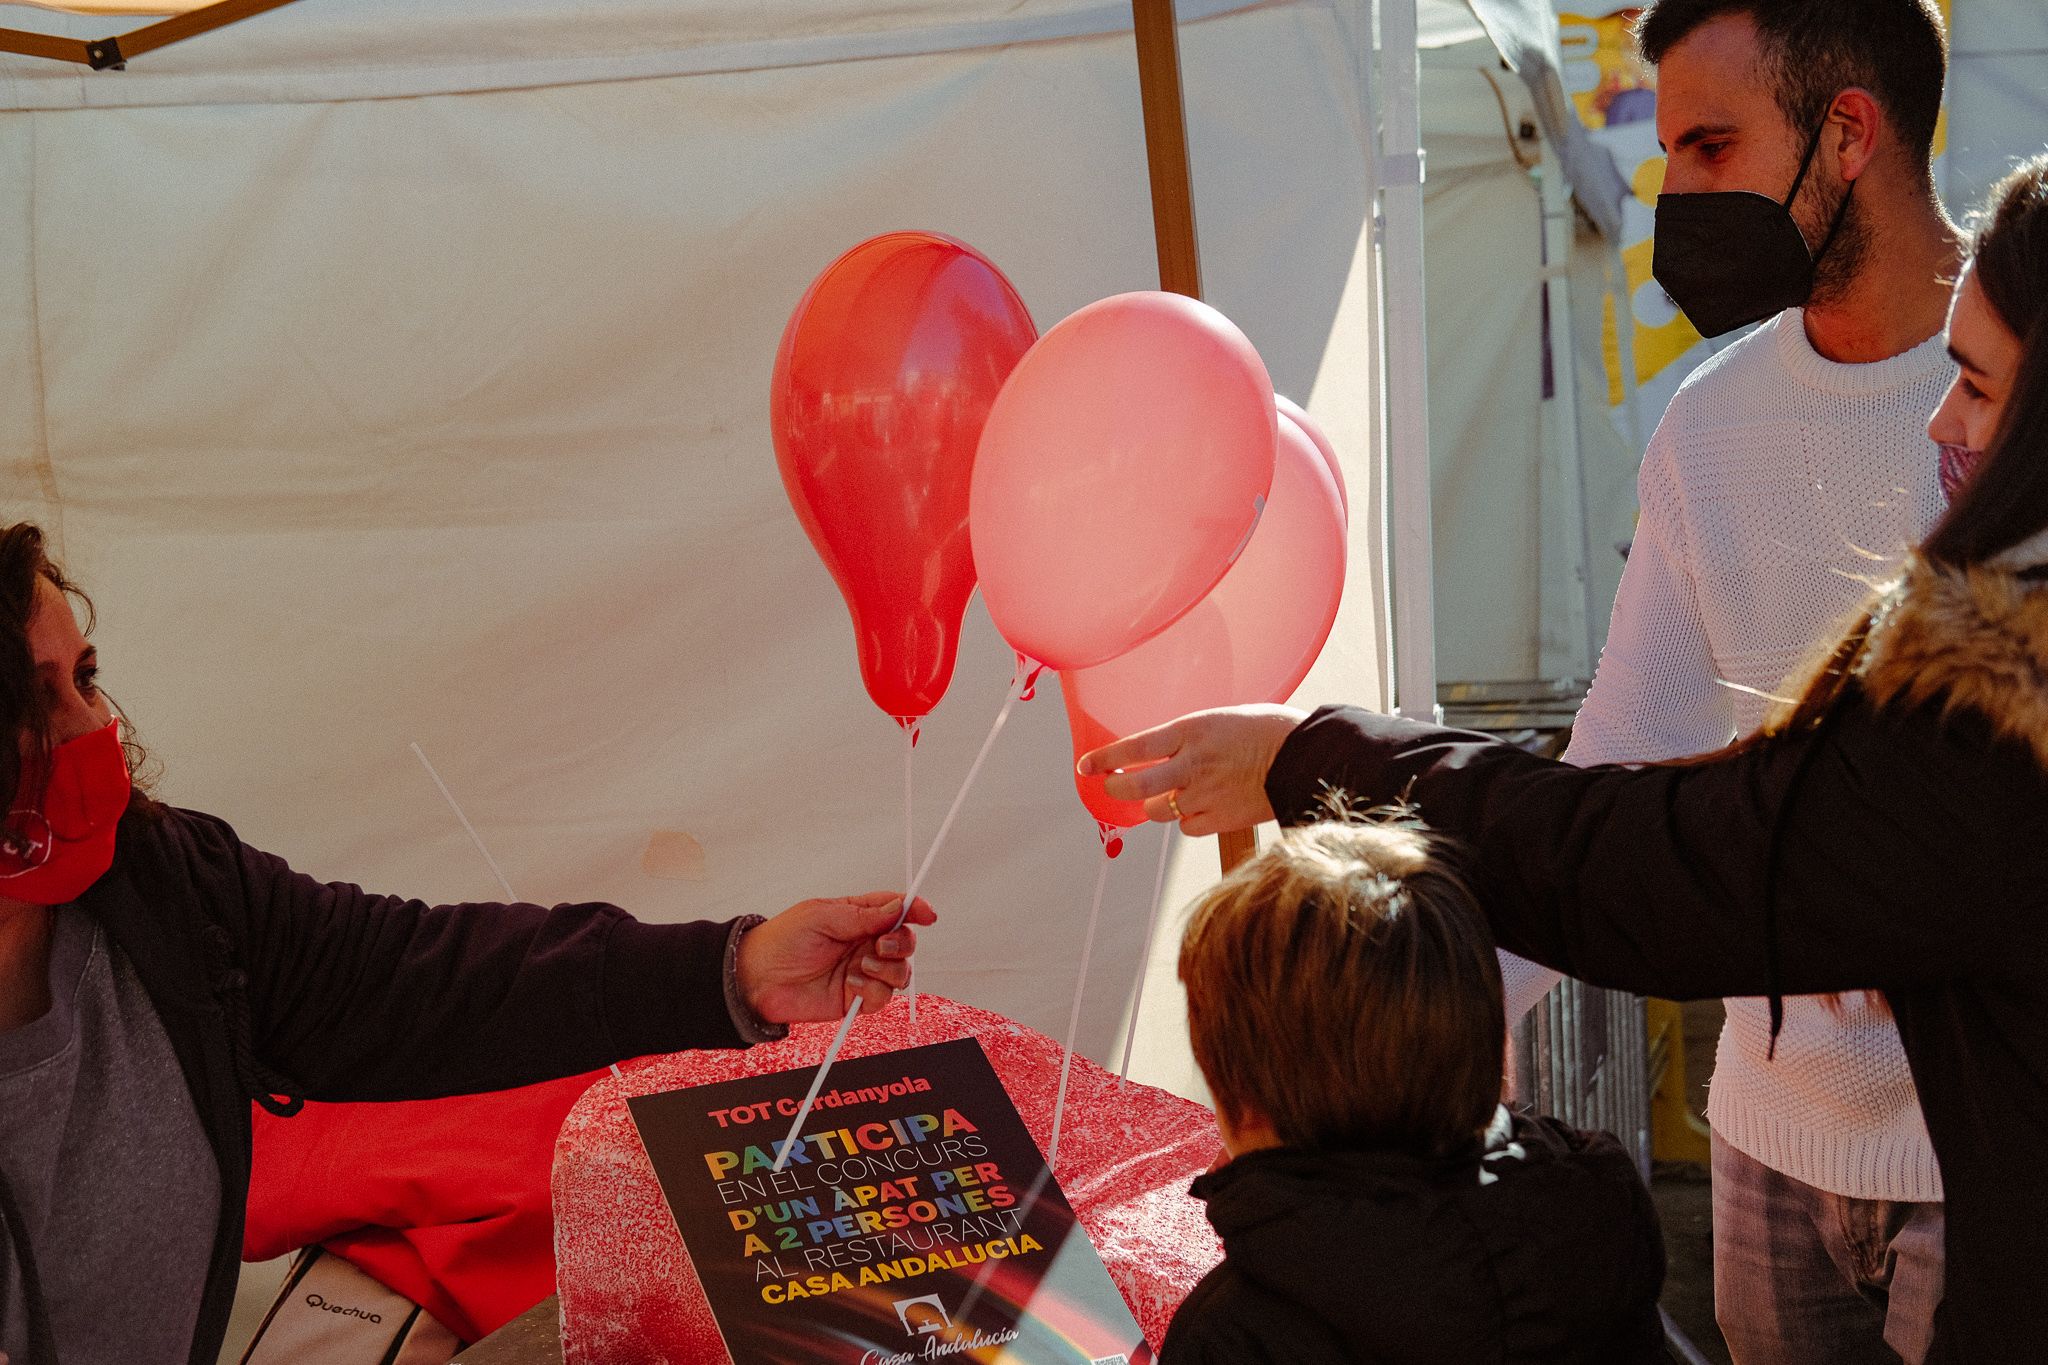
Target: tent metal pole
point(1166, 146)
point(44, 45)
point(1407, 364)
point(1561, 415)
point(1376, 367)
point(1173, 212)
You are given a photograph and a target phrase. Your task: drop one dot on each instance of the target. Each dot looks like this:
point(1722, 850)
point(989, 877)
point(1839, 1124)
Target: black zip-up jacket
point(1543, 1250)
point(1901, 846)
point(278, 988)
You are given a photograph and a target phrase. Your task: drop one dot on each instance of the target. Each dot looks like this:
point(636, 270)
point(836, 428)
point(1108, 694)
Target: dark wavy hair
point(25, 563)
point(1813, 50)
point(2006, 500)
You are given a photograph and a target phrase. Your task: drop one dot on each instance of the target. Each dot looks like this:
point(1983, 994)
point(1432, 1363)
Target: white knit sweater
point(1779, 486)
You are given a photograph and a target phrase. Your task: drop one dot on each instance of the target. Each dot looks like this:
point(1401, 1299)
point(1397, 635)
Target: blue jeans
point(1804, 1277)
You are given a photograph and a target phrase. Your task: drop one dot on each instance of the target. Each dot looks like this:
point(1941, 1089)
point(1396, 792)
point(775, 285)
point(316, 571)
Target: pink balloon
point(1299, 415)
point(1119, 475)
point(1252, 639)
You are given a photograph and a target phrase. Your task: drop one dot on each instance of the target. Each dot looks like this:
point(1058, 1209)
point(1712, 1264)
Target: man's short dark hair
point(1816, 49)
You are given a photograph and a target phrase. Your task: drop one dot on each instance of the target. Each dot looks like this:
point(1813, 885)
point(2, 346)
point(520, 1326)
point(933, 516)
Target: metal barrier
point(1583, 1054)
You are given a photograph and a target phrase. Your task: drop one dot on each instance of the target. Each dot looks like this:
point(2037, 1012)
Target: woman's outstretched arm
point(1891, 866)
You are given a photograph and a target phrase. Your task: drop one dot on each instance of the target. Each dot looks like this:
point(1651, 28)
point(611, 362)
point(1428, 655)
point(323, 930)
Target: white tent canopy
point(1997, 93)
point(395, 372)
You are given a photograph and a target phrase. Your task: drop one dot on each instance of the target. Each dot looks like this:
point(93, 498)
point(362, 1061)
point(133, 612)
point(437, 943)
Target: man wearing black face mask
point(1789, 472)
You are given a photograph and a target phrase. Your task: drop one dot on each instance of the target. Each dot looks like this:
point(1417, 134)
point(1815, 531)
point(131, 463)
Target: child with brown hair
point(1380, 1204)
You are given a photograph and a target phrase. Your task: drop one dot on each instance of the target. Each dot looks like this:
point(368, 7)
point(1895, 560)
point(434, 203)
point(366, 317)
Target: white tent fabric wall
point(1505, 574)
point(1483, 268)
point(372, 414)
point(1997, 94)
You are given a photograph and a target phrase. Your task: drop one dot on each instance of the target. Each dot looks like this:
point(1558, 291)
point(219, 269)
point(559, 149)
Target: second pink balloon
point(1252, 639)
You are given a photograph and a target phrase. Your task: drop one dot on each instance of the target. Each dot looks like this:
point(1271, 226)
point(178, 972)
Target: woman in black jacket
point(1888, 832)
point(157, 974)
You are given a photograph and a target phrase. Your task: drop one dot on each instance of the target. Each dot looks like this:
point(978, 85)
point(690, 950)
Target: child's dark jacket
point(1543, 1249)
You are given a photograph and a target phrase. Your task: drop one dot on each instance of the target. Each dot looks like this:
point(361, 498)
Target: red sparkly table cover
point(1126, 1156)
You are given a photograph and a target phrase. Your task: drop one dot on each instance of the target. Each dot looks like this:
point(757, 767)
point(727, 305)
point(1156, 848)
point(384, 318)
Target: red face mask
point(60, 841)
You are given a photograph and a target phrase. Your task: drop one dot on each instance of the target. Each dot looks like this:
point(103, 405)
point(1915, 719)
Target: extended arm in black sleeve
point(362, 997)
point(1654, 880)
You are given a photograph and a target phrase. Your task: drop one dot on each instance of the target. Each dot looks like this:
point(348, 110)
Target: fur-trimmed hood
point(1977, 638)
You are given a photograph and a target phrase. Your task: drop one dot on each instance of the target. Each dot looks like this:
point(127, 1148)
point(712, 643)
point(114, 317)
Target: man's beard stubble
point(1842, 258)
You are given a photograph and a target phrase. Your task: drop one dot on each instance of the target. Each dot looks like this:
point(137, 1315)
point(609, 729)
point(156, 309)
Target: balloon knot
point(1112, 839)
point(911, 726)
point(1030, 668)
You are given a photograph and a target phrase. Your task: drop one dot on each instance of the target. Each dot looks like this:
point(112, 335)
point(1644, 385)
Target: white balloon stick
point(467, 828)
point(909, 846)
point(1059, 1104)
point(1145, 953)
point(1018, 683)
point(477, 839)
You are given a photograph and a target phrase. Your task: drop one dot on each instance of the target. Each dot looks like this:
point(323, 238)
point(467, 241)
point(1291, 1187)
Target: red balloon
point(1252, 639)
point(1089, 735)
point(883, 382)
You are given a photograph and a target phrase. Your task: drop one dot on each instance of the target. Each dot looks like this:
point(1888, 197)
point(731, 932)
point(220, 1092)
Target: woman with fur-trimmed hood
point(1889, 831)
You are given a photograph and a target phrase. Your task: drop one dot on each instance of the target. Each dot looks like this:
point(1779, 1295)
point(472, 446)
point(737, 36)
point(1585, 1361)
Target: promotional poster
point(915, 1220)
